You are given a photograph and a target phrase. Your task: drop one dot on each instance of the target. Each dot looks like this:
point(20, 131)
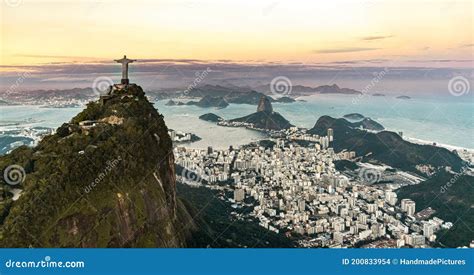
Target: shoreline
point(33, 123)
point(442, 145)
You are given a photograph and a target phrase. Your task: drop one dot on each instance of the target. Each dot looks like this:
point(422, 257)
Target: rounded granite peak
point(264, 105)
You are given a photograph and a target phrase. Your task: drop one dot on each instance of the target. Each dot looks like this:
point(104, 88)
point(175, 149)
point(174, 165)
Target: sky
point(53, 37)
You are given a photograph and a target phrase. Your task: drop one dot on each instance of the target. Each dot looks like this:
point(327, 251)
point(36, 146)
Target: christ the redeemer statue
point(124, 61)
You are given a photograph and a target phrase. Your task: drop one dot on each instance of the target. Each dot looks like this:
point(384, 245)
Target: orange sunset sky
point(39, 32)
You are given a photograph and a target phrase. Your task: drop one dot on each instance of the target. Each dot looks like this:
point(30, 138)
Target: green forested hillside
point(452, 196)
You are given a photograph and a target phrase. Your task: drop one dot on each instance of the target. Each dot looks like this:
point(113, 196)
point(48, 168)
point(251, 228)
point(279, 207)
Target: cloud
point(375, 37)
point(54, 56)
point(360, 61)
point(154, 76)
point(345, 50)
point(466, 45)
point(173, 60)
point(440, 60)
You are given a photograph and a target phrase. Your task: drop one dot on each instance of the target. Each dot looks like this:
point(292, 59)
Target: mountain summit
point(104, 179)
point(265, 118)
point(264, 105)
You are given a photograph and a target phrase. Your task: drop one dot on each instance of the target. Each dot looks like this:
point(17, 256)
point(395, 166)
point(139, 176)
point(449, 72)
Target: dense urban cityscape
point(297, 190)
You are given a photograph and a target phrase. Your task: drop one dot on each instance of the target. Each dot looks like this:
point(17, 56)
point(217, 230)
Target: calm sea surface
point(447, 120)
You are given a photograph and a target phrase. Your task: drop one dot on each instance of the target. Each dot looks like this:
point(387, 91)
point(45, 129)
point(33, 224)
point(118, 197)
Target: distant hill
point(354, 116)
point(284, 99)
point(300, 90)
point(234, 94)
point(262, 120)
point(231, 92)
point(366, 123)
point(369, 124)
point(217, 90)
point(174, 103)
point(453, 202)
point(218, 96)
point(251, 98)
point(334, 89)
point(265, 117)
point(211, 117)
point(386, 147)
point(4, 103)
point(210, 101)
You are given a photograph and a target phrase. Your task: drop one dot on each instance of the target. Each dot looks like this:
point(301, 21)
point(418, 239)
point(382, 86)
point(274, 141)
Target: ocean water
point(186, 119)
point(446, 120)
point(31, 116)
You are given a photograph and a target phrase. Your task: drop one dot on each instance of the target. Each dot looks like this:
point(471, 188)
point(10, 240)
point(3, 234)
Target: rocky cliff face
point(264, 105)
point(105, 179)
point(265, 118)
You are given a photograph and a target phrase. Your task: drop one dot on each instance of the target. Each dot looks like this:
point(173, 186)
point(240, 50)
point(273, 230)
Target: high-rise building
point(418, 240)
point(408, 206)
point(403, 204)
point(330, 134)
point(428, 230)
point(411, 208)
point(338, 237)
point(391, 197)
point(301, 205)
point(172, 135)
point(324, 141)
point(226, 167)
point(239, 195)
point(371, 207)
